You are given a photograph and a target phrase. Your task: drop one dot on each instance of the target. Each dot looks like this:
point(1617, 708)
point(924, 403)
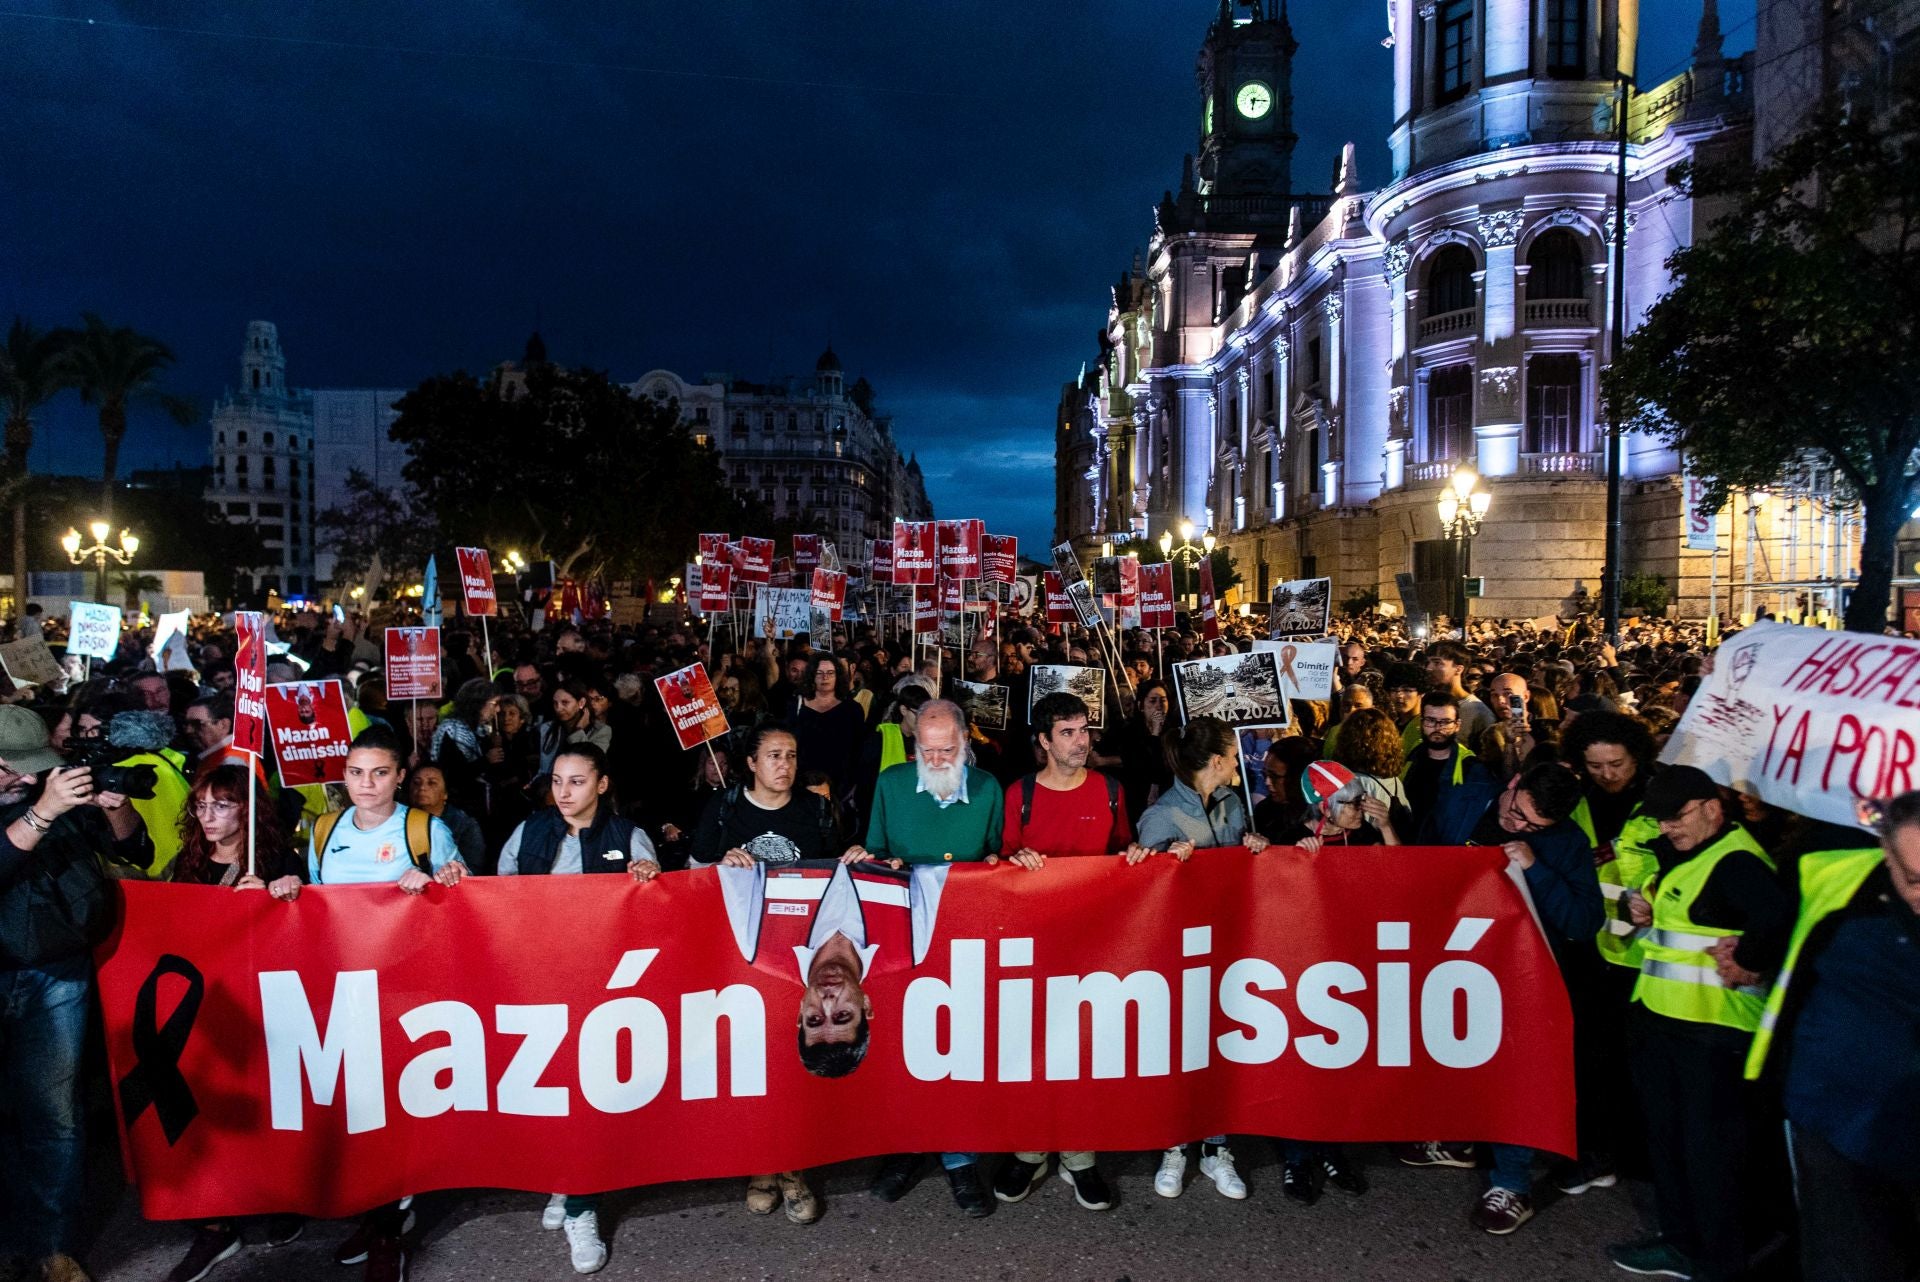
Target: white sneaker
point(583, 1240)
point(1171, 1177)
point(556, 1212)
point(1219, 1169)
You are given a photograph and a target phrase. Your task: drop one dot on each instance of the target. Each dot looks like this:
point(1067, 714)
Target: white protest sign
point(1807, 720)
point(781, 613)
point(170, 642)
point(1306, 667)
point(93, 630)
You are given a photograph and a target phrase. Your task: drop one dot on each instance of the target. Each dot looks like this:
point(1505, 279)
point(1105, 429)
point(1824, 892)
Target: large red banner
point(590, 1033)
point(250, 681)
point(476, 581)
point(311, 736)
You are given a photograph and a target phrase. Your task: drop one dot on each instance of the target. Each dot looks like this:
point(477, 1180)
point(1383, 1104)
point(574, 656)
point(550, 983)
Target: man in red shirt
point(1065, 809)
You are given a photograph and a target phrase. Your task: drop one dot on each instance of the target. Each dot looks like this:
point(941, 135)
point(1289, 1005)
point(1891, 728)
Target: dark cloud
point(946, 191)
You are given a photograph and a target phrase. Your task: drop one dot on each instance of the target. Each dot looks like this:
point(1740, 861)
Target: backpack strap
point(420, 838)
point(322, 833)
point(1026, 786)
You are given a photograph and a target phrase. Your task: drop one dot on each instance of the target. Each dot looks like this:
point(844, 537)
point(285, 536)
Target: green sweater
point(909, 824)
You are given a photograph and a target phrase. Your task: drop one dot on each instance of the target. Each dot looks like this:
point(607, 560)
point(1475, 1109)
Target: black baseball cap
point(1674, 788)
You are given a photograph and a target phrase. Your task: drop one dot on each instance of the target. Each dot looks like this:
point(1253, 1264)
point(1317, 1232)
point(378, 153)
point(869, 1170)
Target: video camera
point(97, 755)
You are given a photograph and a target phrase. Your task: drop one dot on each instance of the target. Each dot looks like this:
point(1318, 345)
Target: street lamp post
point(1186, 554)
point(98, 552)
point(1463, 506)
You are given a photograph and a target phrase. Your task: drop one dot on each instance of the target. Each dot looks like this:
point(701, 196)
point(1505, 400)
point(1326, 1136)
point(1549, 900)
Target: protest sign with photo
point(880, 570)
point(716, 586)
point(31, 663)
point(1239, 689)
point(959, 548)
point(1156, 595)
point(1209, 608)
point(1067, 563)
point(1020, 593)
point(1127, 603)
point(413, 663)
point(806, 552)
point(713, 547)
point(781, 613)
point(476, 581)
point(914, 564)
point(755, 565)
point(250, 681)
point(692, 706)
point(829, 592)
point(1059, 605)
point(999, 558)
point(986, 705)
point(307, 721)
point(1306, 667)
point(1090, 684)
point(1255, 741)
point(926, 609)
point(93, 630)
point(1106, 575)
point(1301, 607)
point(951, 598)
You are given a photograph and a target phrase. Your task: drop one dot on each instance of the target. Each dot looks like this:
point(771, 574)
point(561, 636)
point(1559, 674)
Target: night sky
point(944, 190)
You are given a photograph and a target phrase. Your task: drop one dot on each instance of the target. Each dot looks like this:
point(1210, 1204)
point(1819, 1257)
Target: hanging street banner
point(250, 681)
point(692, 706)
point(999, 558)
point(1701, 522)
point(93, 630)
point(476, 581)
point(1807, 720)
point(308, 723)
point(413, 663)
point(356, 1045)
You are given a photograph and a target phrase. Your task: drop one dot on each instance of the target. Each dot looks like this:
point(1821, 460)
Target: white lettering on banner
point(624, 1045)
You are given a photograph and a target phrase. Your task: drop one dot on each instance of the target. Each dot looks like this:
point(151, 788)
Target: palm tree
point(118, 369)
point(33, 370)
point(131, 585)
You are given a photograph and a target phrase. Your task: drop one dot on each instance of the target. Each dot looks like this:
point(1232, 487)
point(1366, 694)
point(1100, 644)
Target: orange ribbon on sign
point(1286, 664)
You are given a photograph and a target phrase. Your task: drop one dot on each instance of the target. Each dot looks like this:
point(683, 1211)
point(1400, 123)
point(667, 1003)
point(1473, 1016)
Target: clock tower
point(1246, 95)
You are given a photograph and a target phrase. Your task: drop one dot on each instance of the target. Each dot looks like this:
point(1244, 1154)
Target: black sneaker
point(283, 1228)
point(1574, 1178)
point(1018, 1178)
point(1296, 1181)
point(1341, 1173)
point(1089, 1189)
point(967, 1193)
point(210, 1246)
point(354, 1249)
point(895, 1177)
point(386, 1260)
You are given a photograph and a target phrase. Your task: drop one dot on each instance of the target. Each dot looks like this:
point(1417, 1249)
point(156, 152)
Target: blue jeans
point(43, 1024)
point(1513, 1169)
point(954, 1161)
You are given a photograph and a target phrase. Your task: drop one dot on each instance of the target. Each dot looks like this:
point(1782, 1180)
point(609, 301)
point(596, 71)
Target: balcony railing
point(1547, 312)
point(1454, 324)
point(1432, 473)
point(1563, 464)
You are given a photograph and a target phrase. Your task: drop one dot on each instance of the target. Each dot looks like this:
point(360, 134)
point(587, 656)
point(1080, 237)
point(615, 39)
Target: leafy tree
point(375, 523)
point(33, 370)
point(119, 370)
point(131, 584)
point(565, 464)
point(1793, 330)
point(1360, 601)
point(1645, 593)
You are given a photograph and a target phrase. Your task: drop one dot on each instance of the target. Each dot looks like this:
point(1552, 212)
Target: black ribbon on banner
point(156, 1079)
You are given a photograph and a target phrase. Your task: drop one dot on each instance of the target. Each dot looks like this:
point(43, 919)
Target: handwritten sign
point(93, 630)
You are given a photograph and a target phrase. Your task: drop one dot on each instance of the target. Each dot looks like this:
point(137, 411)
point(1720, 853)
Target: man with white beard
point(937, 809)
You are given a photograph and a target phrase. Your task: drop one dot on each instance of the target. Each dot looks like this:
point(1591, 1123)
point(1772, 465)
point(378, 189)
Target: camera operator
point(55, 829)
point(133, 758)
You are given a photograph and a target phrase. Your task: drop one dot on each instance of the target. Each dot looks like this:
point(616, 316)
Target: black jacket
point(54, 900)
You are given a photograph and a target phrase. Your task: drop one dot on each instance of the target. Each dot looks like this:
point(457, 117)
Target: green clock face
point(1254, 100)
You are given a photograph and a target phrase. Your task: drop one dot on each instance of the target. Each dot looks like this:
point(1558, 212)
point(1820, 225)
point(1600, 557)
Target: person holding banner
point(1202, 811)
point(55, 905)
point(376, 839)
point(581, 832)
point(766, 820)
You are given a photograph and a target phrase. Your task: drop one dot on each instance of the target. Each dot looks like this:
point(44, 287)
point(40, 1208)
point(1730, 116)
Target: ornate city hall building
point(1300, 372)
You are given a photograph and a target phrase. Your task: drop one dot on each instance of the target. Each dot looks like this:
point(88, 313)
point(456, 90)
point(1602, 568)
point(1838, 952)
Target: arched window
point(1556, 266)
point(1450, 280)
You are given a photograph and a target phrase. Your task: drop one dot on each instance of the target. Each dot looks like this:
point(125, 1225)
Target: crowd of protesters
point(1676, 909)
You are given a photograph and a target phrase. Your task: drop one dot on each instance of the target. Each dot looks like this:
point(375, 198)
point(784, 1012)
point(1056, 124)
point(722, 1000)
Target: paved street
point(1412, 1226)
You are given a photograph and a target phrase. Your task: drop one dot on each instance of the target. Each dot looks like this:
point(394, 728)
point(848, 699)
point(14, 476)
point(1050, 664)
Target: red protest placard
point(250, 681)
point(951, 598)
point(713, 547)
point(413, 663)
point(959, 548)
point(692, 705)
point(1209, 610)
point(476, 581)
point(881, 570)
point(716, 586)
point(830, 592)
point(926, 608)
point(1059, 607)
point(913, 561)
point(999, 558)
point(756, 561)
point(806, 551)
point(308, 724)
point(1156, 595)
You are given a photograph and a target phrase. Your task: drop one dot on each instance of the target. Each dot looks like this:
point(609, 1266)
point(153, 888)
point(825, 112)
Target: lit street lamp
point(1186, 553)
point(1463, 506)
point(99, 551)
